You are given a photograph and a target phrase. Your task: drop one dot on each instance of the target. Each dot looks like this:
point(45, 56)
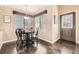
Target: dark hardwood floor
point(60, 47)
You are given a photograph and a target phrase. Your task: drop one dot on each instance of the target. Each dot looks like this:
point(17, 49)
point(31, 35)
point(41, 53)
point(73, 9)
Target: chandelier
point(26, 17)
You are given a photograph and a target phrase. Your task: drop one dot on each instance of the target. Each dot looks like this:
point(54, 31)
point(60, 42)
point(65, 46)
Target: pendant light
point(26, 17)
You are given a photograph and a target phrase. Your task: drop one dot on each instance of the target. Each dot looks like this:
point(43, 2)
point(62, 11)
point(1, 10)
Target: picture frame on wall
point(56, 17)
point(6, 19)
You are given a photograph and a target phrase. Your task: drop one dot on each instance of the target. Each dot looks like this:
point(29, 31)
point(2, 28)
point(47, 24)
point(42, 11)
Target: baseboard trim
point(50, 42)
point(4, 42)
point(45, 42)
point(8, 41)
point(55, 40)
point(77, 42)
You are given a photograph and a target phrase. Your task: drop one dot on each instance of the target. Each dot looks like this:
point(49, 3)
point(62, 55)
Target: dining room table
point(28, 37)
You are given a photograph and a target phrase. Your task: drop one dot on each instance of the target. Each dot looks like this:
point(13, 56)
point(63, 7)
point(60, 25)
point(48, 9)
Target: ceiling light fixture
point(26, 17)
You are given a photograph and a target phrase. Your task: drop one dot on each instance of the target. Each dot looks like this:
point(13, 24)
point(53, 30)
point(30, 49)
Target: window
point(19, 21)
point(40, 22)
point(28, 23)
point(67, 21)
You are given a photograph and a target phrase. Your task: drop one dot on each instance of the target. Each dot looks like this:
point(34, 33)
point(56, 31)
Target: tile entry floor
point(60, 47)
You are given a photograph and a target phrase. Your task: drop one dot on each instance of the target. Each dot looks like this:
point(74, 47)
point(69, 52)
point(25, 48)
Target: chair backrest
point(19, 33)
point(36, 33)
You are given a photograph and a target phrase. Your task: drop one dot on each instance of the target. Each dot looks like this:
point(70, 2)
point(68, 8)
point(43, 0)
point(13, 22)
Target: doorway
point(68, 27)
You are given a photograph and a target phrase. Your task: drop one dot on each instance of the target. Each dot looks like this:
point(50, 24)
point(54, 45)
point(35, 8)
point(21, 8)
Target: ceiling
point(34, 9)
point(31, 9)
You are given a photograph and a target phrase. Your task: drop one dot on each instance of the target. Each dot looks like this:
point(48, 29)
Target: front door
point(68, 27)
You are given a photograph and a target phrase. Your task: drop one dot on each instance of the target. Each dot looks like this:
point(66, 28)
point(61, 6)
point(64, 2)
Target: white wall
point(56, 26)
point(52, 31)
